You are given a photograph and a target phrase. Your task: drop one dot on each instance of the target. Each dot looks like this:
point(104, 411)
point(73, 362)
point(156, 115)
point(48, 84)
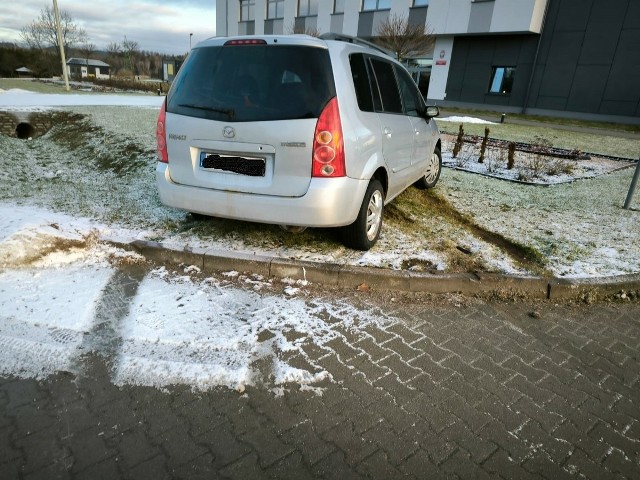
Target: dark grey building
point(584, 63)
point(577, 58)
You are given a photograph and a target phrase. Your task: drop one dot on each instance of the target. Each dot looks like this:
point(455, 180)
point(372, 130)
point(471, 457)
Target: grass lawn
point(101, 164)
point(31, 85)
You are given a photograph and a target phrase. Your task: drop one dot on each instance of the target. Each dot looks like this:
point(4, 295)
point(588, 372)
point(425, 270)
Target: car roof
point(270, 39)
point(324, 41)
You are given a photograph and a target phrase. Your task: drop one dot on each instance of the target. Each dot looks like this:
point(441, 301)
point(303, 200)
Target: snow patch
point(16, 98)
point(458, 119)
point(42, 323)
point(208, 333)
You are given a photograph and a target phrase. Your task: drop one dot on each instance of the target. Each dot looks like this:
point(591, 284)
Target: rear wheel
point(432, 173)
point(364, 232)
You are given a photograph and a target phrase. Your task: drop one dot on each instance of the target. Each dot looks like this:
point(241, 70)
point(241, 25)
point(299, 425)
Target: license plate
point(251, 166)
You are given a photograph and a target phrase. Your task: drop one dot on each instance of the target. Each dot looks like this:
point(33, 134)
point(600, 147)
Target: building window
point(338, 6)
point(376, 5)
point(502, 80)
point(420, 3)
point(275, 9)
point(247, 10)
point(307, 8)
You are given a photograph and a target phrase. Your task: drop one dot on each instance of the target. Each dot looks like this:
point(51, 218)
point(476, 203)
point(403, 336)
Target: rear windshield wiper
point(230, 112)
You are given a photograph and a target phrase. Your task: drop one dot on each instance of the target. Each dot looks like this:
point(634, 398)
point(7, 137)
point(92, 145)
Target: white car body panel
point(394, 147)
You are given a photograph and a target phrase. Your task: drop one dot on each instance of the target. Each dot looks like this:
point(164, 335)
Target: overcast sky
point(157, 25)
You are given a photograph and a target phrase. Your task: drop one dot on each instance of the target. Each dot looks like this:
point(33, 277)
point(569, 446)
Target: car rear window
point(248, 83)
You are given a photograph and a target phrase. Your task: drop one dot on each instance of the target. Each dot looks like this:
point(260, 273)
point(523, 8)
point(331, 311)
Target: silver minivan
point(296, 131)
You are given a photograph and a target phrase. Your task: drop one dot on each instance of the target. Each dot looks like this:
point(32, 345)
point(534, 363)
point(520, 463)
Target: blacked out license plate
point(251, 166)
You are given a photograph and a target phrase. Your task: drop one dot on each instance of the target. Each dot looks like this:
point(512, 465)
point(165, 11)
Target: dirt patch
point(523, 255)
point(35, 248)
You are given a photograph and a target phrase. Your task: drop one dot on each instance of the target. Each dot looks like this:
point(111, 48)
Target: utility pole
point(61, 45)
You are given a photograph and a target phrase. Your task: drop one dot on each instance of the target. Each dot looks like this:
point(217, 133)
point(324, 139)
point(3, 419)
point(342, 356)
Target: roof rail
point(356, 41)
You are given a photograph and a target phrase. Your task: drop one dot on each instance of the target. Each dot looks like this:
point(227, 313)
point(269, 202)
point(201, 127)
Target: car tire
point(364, 232)
point(432, 173)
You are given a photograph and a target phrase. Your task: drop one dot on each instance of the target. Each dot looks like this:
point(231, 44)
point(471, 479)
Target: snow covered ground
point(60, 286)
point(579, 229)
point(60, 202)
point(54, 169)
point(20, 100)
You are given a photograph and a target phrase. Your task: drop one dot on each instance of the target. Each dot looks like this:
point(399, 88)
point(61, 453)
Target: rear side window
point(361, 82)
point(253, 83)
point(387, 85)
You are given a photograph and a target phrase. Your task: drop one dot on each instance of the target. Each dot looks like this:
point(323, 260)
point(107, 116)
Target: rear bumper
point(328, 202)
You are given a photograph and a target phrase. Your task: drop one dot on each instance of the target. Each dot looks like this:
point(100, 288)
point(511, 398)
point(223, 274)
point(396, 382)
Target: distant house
point(83, 68)
point(24, 72)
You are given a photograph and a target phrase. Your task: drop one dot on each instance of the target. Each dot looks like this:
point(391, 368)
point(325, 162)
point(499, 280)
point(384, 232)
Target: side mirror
point(431, 111)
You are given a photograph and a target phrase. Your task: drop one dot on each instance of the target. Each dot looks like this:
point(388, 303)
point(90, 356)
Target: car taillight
point(328, 145)
point(161, 135)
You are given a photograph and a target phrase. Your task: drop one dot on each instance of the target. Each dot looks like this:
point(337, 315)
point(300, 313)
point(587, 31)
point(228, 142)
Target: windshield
point(253, 82)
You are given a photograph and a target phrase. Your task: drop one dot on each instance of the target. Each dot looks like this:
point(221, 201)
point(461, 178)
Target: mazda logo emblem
point(228, 132)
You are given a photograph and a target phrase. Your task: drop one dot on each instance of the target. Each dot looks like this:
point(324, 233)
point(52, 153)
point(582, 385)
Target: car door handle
point(387, 132)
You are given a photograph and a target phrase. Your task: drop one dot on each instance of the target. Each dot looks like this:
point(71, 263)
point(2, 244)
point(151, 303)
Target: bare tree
point(404, 38)
point(130, 48)
point(41, 32)
point(87, 49)
point(114, 51)
point(34, 36)
point(313, 32)
point(114, 48)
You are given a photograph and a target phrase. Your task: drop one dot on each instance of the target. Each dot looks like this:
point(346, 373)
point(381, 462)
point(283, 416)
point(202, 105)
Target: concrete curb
point(350, 277)
point(562, 288)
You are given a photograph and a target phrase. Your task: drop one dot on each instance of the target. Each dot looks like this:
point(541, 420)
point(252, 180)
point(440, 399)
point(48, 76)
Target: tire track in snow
point(45, 316)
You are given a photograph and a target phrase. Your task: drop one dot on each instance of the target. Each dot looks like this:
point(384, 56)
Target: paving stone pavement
point(479, 390)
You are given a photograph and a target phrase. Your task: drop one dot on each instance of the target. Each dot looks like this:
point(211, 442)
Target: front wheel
point(364, 232)
point(432, 173)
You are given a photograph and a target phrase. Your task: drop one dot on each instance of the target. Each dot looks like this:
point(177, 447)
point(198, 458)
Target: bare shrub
point(465, 156)
point(468, 153)
point(540, 144)
point(502, 156)
point(524, 175)
point(404, 38)
point(533, 165)
point(459, 142)
point(494, 159)
point(511, 156)
point(483, 147)
point(568, 167)
point(537, 164)
point(559, 166)
point(312, 32)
